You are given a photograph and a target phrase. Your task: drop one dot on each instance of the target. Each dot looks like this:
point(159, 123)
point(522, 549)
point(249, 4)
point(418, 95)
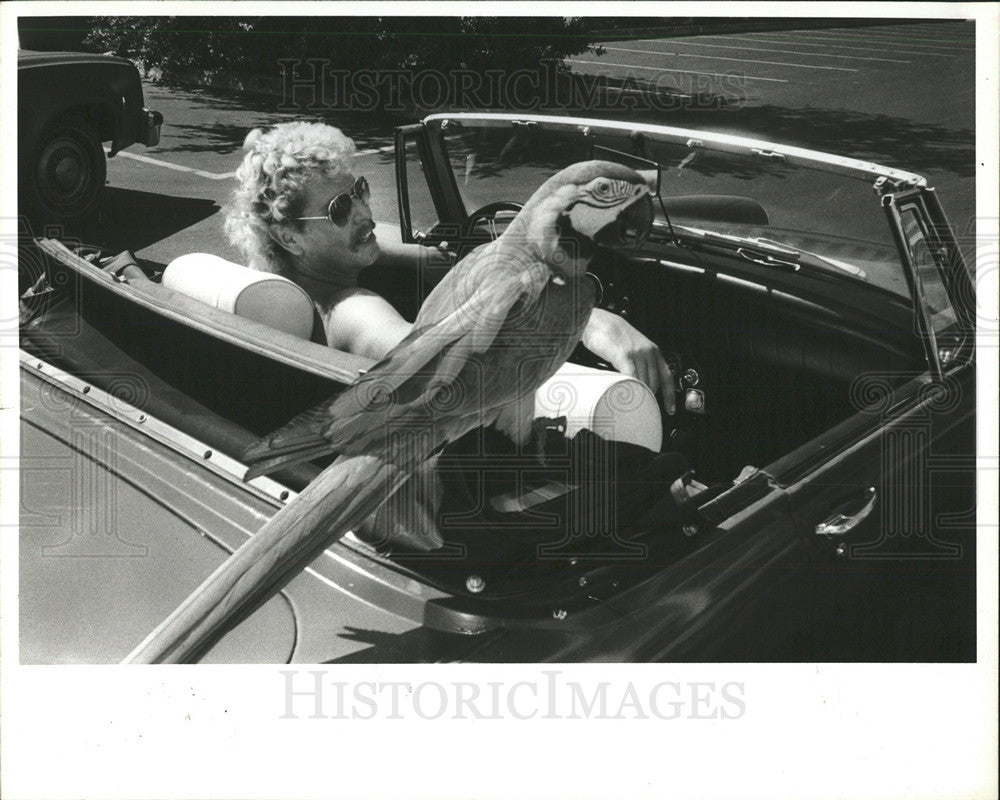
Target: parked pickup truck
point(68, 105)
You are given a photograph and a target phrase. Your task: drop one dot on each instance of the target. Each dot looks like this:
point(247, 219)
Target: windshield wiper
point(761, 256)
point(759, 250)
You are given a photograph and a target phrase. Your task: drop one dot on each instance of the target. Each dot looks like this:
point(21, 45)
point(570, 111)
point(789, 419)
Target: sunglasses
point(339, 209)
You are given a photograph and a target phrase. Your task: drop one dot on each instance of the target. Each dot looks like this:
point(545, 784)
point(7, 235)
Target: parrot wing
point(441, 370)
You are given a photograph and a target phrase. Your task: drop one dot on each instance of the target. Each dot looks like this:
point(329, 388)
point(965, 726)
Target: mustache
point(363, 231)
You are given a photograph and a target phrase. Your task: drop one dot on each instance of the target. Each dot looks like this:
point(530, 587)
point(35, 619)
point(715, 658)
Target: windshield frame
point(709, 140)
point(453, 205)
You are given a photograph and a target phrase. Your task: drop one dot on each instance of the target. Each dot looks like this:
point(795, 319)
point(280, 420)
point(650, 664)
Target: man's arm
point(397, 255)
point(608, 336)
point(365, 324)
point(614, 340)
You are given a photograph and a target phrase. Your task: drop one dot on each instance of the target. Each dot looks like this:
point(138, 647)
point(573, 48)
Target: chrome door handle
point(838, 524)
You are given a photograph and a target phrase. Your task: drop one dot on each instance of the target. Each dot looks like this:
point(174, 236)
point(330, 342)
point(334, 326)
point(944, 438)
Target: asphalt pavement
point(901, 95)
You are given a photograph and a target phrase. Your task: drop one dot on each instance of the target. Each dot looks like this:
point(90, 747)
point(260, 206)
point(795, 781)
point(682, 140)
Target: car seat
point(264, 297)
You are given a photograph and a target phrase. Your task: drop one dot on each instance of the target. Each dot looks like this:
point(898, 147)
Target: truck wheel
point(68, 170)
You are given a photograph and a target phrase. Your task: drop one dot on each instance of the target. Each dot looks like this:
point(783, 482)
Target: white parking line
point(881, 39)
point(682, 71)
point(951, 28)
point(620, 90)
point(882, 43)
point(218, 176)
point(957, 37)
point(769, 50)
point(901, 33)
point(213, 176)
point(799, 43)
point(387, 149)
point(728, 58)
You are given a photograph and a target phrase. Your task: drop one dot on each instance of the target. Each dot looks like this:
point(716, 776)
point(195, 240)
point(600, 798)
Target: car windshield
point(831, 219)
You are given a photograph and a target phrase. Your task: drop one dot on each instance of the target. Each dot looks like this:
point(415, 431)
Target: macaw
point(502, 322)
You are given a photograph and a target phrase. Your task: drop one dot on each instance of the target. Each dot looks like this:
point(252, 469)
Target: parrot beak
point(634, 222)
point(638, 219)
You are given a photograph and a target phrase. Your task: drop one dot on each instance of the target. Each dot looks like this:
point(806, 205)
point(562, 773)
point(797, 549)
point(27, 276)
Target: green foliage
point(254, 44)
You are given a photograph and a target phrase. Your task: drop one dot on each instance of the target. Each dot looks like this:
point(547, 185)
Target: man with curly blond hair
point(279, 219)
point(301, 211)
point(278, 164)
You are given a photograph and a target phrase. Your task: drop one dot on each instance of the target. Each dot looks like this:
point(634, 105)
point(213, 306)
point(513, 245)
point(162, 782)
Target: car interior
point(765, 357)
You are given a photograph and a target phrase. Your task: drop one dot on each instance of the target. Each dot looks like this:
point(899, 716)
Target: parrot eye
point(603, 187)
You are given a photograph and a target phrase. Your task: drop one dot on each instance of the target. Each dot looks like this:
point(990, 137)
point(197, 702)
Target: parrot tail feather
point(301, 439)
point(337, 501)
point(274, 462)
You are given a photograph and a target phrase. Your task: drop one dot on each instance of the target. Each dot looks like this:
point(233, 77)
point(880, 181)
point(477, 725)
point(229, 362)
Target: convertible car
point(813, 498)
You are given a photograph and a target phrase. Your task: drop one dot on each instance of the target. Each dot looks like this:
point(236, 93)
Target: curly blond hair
point(277, 164)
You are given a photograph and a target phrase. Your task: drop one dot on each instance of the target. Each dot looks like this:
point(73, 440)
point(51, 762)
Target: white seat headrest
point(614, 406)
point(261, 296)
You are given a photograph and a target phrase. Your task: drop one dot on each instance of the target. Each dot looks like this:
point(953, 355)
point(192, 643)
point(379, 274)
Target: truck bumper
point(149, 133)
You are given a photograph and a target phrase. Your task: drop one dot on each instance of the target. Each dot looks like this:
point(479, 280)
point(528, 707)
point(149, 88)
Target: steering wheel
point(488, 214)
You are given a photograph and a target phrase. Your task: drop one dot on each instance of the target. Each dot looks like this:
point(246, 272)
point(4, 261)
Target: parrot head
point(587, 204)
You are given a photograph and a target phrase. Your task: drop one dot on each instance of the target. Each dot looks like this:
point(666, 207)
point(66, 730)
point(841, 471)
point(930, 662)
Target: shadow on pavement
point(368, 129)
point(892, 141)
point(220, 138)
point(127, 219)
point(134, 220)
point(418, 645)
point(889, 140)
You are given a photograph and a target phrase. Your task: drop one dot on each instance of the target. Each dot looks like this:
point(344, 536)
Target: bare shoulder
point(363, 322)
point(362, 305)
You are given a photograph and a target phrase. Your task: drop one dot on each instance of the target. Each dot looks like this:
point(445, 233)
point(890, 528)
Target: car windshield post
point(917, 258)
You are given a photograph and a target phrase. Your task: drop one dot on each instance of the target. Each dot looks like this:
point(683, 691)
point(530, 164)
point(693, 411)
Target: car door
point(860, 544)
point(888, 499)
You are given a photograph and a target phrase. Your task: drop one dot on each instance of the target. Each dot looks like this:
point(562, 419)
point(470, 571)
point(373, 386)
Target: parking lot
point(901, 95)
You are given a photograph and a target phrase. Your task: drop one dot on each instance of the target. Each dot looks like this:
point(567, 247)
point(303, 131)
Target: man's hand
point(611, 338)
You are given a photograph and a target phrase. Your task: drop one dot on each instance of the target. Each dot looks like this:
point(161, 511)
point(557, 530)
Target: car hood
point(35, 58)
